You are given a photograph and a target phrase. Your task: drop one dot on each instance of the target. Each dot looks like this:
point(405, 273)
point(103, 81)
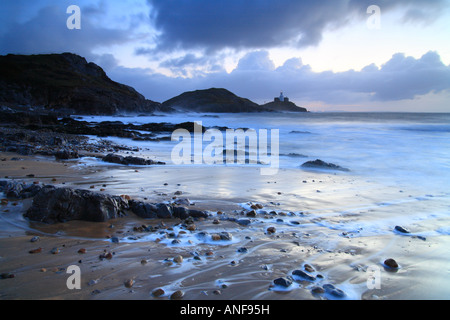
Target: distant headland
point(67, 83)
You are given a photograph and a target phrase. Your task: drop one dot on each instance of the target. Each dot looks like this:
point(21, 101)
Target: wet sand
point(329, 221)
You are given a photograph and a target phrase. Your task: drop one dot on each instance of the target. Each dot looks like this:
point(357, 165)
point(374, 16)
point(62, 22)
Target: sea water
point(399, 174)
point(401, 148)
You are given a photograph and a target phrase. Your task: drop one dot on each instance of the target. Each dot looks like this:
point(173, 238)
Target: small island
point(282, 103)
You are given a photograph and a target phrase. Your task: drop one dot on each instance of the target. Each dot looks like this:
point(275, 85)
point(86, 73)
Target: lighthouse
point(281, 98)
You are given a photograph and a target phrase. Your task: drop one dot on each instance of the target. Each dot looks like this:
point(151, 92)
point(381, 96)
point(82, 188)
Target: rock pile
point(52, 204)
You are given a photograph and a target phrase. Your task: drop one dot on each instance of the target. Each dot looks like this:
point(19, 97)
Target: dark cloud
point(251, 24)
point(46, 32)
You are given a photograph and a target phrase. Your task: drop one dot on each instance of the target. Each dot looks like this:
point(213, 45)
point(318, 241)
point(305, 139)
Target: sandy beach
point(293, 229)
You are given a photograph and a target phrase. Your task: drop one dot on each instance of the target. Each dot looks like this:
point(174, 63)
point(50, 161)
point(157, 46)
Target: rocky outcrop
point(283, 106)
point(16, 190)
point(52, 204)
point(320, 164)
point(129, 160)
point(66, 83)
point(212, 100)
point(164, 211)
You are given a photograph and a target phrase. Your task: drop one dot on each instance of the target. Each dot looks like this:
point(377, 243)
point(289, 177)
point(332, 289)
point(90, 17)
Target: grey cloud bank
point(255, 76)
point(214, 25)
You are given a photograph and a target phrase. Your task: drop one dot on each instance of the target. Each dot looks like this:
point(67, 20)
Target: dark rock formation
point(401, 229)
point(163, 211)
point(129, 160)
point(212, 100)
point(303, 275)
point(66, 82)
point(319, 164)
point(52, 205)
point(283, 106)
point(18, 190)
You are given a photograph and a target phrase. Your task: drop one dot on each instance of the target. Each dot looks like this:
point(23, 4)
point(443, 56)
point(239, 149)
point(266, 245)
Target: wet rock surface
point(129, 160)
point(391, 263)
point(51, 204)
point(320, 164)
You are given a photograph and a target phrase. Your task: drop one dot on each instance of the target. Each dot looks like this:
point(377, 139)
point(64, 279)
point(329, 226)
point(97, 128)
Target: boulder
point(163, 211)
point(52, 205)
point(113, 158)
point(66, 154)
point(143, 210)
point(19, 190)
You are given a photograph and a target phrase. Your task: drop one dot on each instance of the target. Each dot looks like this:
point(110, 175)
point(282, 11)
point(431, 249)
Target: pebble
point(93, 282)
point(222, 236)
point(178, 259)
point(106, 255)
point(251, 213)
point(271, 230)
point(243, 222)
point(82, 250)
point(158, 292)
point(129, 283)
point(317, 290)
point(302, 274)
point(391, 263)
point(332, 290)
point(7, 275)
point(215, 237)
point(283, 281)
point(401, 229)
point(308, 268)
point(177, 295)
point(242, 250)
point(35, 238)
point(55, 251)
point(38, 250)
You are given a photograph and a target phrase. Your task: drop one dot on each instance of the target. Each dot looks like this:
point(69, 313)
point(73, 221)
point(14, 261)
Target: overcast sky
point(324, 55)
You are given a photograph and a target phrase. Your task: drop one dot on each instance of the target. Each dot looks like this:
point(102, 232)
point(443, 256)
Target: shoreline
point(329, 227)
point(209, 270)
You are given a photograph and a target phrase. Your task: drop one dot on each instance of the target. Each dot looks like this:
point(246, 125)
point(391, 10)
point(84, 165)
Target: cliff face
point(212, 100)
point(66, 82)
